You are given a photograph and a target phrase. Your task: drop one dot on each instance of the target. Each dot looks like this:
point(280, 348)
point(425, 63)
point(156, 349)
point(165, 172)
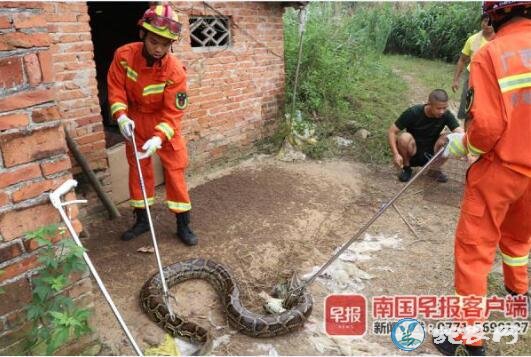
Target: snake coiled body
point(152, 303)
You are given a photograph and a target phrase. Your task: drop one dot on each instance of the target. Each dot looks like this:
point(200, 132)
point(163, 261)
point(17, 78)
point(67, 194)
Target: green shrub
point(54, 316)
point(433, 30)
point(341, 78)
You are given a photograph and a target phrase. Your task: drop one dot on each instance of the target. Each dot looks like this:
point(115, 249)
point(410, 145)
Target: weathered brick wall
point(76, 90)
point(47, 77)
point(236, 93)
point(33, 160)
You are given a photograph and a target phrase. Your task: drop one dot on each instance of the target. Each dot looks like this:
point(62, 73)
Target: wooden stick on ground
point(405, 221)
point(109, 205)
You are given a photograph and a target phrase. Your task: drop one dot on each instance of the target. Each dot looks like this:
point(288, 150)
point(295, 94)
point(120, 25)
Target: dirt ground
point(265, 218)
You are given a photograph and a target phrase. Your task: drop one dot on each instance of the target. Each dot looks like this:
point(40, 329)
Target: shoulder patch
point(469, 99)
point(181, 100)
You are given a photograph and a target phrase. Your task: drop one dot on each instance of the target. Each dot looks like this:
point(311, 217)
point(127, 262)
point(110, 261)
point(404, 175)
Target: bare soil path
point(263, 219)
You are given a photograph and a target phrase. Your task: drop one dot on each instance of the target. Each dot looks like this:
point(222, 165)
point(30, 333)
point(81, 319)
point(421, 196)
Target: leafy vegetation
point(343, 86)
point(54, 316)
point(347, 83)
point(434, 30)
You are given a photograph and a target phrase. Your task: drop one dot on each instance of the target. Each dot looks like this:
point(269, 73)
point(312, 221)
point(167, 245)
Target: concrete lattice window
point(209, 31)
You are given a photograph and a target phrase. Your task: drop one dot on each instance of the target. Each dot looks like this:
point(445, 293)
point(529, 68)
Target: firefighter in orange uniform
point(147, 95)
point(496, 207)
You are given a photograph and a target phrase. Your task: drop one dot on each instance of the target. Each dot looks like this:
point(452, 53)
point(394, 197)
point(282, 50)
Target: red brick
point(11, 74)
point(25, 40)
point(34, 189)
point(49, 168)
point(88, 120)
point(25, 99)
point(8, 252)
point(38, 145)
point(33, 69)
point(16, 294)
point(23, 4)
point(5, 22)
point(14, 224)
point(23, 21)
point(19, 174)
point(13, 121)
point(61, 17)
point(16, 319)
point(45, 114)
point(69, 27)
point(17, 269)
point(4, 199)
point(45, 60)
point(90, 138)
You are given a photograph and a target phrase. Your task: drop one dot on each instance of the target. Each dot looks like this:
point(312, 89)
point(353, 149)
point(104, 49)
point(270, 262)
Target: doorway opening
point(112, 24)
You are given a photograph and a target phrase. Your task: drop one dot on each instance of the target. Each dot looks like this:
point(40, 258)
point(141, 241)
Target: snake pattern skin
point(241, 319)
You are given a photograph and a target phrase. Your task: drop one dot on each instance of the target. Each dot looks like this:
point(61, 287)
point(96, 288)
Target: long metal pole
point(369, 223)
point(59, 206)
point(302, 24)
point(152, 230)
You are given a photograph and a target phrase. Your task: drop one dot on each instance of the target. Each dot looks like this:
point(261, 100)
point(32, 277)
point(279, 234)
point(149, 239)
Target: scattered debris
point(267, 347)
point(362, 134)
point(301, 133)
point(166, 348)
point(289, 153)
point(344, 275)
point(146, 249)
point(342, 142)
point(220, 341)
point(271, 304)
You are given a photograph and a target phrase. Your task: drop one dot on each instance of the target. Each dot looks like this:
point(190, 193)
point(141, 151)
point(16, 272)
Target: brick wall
point(236, 94)
point(33, 160)
point(47, 78)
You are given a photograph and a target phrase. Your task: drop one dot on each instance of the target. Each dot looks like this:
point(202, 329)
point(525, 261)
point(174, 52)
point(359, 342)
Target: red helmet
point(497, 10)
point(161, 20)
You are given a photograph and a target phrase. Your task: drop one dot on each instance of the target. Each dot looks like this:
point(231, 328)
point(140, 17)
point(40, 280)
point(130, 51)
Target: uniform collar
point(521, 25)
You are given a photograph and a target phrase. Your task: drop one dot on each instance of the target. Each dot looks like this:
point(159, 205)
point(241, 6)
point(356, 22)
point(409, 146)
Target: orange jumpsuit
point(496, 208)
point(154, 98)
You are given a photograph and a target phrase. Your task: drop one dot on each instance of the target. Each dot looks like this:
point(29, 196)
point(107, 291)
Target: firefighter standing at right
point(496, 207)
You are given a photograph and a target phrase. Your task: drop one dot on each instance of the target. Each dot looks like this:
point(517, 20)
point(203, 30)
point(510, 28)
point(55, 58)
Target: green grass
point(429, 73)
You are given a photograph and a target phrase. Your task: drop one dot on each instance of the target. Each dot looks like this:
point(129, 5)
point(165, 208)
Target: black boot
point(183, 230)
point(141, 225)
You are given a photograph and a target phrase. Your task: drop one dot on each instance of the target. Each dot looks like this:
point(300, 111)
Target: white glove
point(127, 126)
point(455, 146)
point(150, 147)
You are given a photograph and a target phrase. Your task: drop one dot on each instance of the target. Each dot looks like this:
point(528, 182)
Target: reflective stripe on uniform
point(131, 73)
point(179, 206)
point(140, 203)
point(117, 106)
point(457, 149)
point(472, 149)
point(166, 129)
point(154, 89)
point(517, 81)
point(515, 261)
